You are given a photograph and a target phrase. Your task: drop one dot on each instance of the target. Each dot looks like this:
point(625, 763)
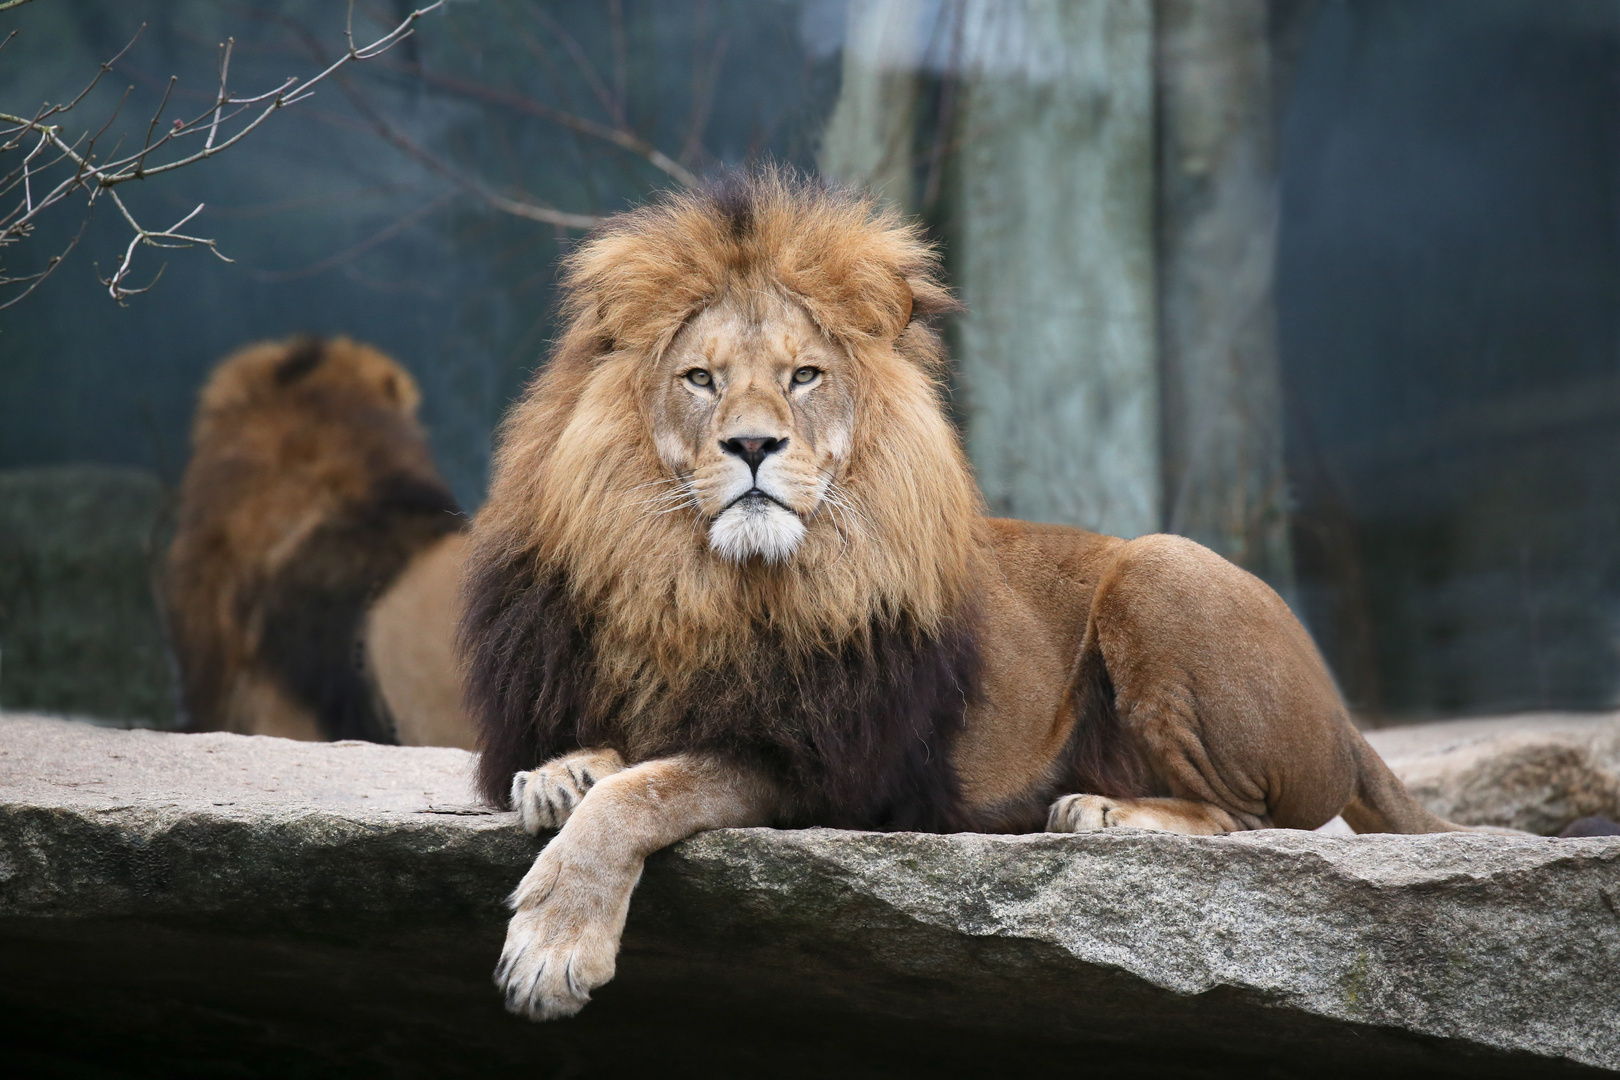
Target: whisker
point(655, 482)
point(664, 498)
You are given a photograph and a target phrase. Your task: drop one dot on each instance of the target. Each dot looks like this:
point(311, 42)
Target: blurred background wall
point(1330, 285)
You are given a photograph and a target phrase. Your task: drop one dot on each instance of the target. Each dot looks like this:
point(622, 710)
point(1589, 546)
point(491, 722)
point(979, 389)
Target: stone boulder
point(80, 629)
point(1535, 772)
point(207, 904)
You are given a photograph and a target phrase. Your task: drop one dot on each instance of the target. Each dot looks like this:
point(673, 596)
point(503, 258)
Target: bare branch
point(587, 70)
point(621, 62)
point(106, 67)
point(704, 80)
point(171, 237)
point(224, 74)
point(147, 145)
point(95, 175)
point(7, 5)
point(625, 140)
point(35, 280)
point(506, 204)
point(354, 252)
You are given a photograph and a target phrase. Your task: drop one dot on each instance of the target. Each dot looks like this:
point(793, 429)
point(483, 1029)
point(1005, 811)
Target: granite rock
point(225, 903)
point(1536, 772)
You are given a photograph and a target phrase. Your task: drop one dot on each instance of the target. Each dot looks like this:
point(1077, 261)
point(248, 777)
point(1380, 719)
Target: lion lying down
point(312, 582)
point(734, 571)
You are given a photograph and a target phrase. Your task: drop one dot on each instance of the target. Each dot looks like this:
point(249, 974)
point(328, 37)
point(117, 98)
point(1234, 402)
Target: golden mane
point(593, 620)
point(575, 452)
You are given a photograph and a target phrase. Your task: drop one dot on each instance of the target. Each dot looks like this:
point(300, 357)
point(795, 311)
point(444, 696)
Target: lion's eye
point(698, 377)
point(806, 375)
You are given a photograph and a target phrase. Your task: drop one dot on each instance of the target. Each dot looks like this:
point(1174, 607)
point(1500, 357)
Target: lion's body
point(310, 585)
point(1180, 641)
point(734, 571)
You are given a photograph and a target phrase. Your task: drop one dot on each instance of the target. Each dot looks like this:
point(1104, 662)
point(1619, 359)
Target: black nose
point(753, 449)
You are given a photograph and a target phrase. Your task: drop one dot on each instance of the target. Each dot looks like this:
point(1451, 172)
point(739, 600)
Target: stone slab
point(1533, 771)
point(220, 903)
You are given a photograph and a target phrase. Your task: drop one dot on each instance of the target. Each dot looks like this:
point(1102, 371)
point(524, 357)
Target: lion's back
point(309, 490)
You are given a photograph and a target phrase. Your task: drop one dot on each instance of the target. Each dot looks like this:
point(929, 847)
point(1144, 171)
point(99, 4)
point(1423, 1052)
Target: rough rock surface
point(1535, 772)
point(80, 631)
point(216, 903)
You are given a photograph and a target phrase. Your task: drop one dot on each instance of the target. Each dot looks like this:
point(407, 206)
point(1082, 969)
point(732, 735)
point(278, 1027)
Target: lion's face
point(753, 413)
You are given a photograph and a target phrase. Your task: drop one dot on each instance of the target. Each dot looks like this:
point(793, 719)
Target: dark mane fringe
point(859, 738)
point(315, 607)
point(1100, 758)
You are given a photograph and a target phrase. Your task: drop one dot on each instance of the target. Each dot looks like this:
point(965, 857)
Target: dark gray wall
point(1448, 283)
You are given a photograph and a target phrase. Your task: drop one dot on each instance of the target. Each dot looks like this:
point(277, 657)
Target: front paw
point(545, 797)
point(549, 967)
point(1080, 813)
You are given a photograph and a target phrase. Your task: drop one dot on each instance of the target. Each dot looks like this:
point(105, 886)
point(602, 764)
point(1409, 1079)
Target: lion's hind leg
point(545, 797)
point(1093, 813)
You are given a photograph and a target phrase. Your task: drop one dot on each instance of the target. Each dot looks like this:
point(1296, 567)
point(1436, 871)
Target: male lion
point(734, 571)
point(312, 582)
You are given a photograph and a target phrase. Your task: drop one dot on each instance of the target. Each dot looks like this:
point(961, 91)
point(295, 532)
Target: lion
point(734, 570)
point(311, 587)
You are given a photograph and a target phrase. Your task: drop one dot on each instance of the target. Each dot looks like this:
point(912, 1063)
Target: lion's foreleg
point(570, 907)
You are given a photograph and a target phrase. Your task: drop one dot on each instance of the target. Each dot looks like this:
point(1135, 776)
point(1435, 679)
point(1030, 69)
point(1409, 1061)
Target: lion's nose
point(753, 449)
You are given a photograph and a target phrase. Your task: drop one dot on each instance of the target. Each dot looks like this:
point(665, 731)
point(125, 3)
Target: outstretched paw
point(563, 939)
point(548, 969)
point(544, 797)
point(1081, 813)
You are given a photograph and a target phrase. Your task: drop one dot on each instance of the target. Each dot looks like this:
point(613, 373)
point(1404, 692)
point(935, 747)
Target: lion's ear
point(895, 311)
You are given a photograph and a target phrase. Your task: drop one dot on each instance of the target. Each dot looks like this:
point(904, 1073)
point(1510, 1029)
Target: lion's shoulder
point(1031, 554)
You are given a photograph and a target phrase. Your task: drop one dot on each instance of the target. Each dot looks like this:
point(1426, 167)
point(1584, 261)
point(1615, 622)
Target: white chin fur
point(756, 528)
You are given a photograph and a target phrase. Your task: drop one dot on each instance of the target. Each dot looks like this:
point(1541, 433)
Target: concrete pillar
point(1224, 483)
point(1052, 250)
point(868, 139)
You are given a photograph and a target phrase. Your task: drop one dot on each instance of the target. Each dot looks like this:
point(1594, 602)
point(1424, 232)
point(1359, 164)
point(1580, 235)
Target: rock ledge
point(337, 908)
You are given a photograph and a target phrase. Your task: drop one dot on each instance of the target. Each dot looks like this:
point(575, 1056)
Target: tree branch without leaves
point(53, 168)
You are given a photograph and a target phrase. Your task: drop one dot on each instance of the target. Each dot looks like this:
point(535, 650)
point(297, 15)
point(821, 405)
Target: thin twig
point(151, 127)
point(361, 248)
point(625, 140)
point(35, 280)
point(506, 204)
point(587, 69)
point(96, 175)
point(704, 79)
point(224, 74)
point(621, 62)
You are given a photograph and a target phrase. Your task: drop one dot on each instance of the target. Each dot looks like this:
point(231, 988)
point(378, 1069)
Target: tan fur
point(600, 478)
point(261, 707)
point(410, 639)
point(273, 461)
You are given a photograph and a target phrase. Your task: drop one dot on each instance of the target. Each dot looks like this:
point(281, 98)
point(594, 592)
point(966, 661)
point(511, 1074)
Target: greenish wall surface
point(80, 632)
